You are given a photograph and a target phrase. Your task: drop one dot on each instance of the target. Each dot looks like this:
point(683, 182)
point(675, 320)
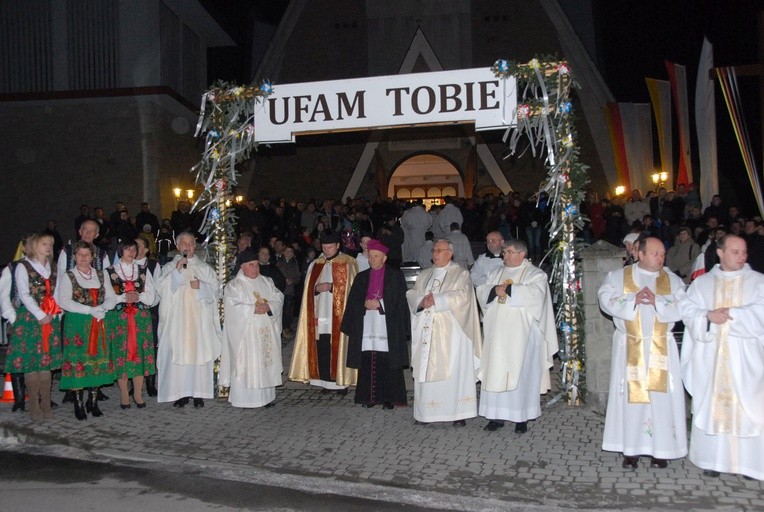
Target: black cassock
point(380, 374)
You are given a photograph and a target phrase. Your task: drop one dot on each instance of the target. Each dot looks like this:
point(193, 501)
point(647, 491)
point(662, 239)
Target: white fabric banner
point(459, 96)
point(636, 123)
point(705, 124)
point(660, 96)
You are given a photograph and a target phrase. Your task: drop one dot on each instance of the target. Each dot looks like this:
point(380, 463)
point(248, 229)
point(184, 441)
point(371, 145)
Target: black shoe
point(325, 391)
point(68, 397)
point(342, 392)
point(658, 463)
point(151, 385)
point(387, 406)
point(748, 477)
point(141, 405)
point(19, 392)
point(53, 404)
point(460, 423)
point(630, 462)
point(711, 473)
point(124, 406)
point(101, 396)
point(521, 428)
point(94, 410)
point(79, 406)
point(198, 402)
point(422, 423)
point(270, 404)
point(181, 402)
point(493, 426)
point(367, 406)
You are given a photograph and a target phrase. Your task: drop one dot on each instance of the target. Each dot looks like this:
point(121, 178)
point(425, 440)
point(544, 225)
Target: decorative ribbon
point(656, 378)
point(96, 328)
point(132, 330)
point(49, 307)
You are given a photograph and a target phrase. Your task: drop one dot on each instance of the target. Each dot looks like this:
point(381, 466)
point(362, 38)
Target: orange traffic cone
point(8, 391)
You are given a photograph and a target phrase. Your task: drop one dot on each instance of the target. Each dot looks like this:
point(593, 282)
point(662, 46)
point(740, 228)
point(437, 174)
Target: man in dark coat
point(376, 321)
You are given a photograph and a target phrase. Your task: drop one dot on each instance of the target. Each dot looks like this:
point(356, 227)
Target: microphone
point(185, 255)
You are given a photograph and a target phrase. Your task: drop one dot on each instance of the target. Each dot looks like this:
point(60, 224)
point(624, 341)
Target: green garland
point(544, 115)
point(226, 120)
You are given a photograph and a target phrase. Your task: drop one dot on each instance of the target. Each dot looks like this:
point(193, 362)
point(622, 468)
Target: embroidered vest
point(37, 282)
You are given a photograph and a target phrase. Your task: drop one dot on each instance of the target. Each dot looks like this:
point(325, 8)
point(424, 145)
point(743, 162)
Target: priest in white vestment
point(520, 340)
point(449, 214)
point(251, 360)
point(189, 327)
point(415, 222)
point(645, 411)
point(723, 364)
point(490, 261)
point(445, 340)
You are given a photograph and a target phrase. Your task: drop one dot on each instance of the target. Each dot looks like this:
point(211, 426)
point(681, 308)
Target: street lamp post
point(659, 179)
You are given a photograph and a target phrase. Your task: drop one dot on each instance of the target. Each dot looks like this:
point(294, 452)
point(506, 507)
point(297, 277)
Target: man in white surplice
point(723, 364)
point(520, 340)
point(445, 340)
point(189, 326)
point(415, 222)
point(251, 360)
point(490, 261)
point(645, 409)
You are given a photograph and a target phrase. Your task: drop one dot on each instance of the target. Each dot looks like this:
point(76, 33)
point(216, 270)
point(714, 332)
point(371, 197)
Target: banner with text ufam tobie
point(443, 97)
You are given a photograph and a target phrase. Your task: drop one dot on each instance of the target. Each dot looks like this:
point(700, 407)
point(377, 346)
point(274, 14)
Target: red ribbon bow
point(96, 328)
point(49, 307)
point(132, 330)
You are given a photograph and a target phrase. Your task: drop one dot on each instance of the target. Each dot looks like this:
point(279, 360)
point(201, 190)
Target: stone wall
point(597, 260)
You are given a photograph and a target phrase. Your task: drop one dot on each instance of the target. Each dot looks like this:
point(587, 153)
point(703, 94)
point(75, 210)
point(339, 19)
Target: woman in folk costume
point(128, 325)
point(250, 362)
point(86, 296)
point(34, 347)
point(377, 323)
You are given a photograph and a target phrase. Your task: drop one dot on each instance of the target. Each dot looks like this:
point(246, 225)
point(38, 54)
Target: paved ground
point(326, 444)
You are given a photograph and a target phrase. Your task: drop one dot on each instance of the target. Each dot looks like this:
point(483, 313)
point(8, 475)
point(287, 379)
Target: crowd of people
point(103, 310)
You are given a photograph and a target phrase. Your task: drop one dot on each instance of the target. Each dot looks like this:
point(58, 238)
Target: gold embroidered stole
point(656, 376)
point(726, 410)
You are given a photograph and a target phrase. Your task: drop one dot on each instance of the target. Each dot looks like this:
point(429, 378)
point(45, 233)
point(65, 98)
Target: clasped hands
point(323, 287)
point(719, 315)
point(645, 296)
point(262, 308)
point(501, 291)
point(428, 301)
point(372, 304)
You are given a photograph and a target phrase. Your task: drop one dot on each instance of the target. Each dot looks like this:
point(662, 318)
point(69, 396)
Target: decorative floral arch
point(544, 115)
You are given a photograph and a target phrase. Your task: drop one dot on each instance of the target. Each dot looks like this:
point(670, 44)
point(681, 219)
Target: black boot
point(151, 385)
point(68, 397)
point(79, 406)
point(101, 395)
point(19, 392)
point(93, 397)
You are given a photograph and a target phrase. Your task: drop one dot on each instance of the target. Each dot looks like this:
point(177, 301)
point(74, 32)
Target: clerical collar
point(332, 257)
point(489, 254)
point(732, 273)
point(645, 271)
